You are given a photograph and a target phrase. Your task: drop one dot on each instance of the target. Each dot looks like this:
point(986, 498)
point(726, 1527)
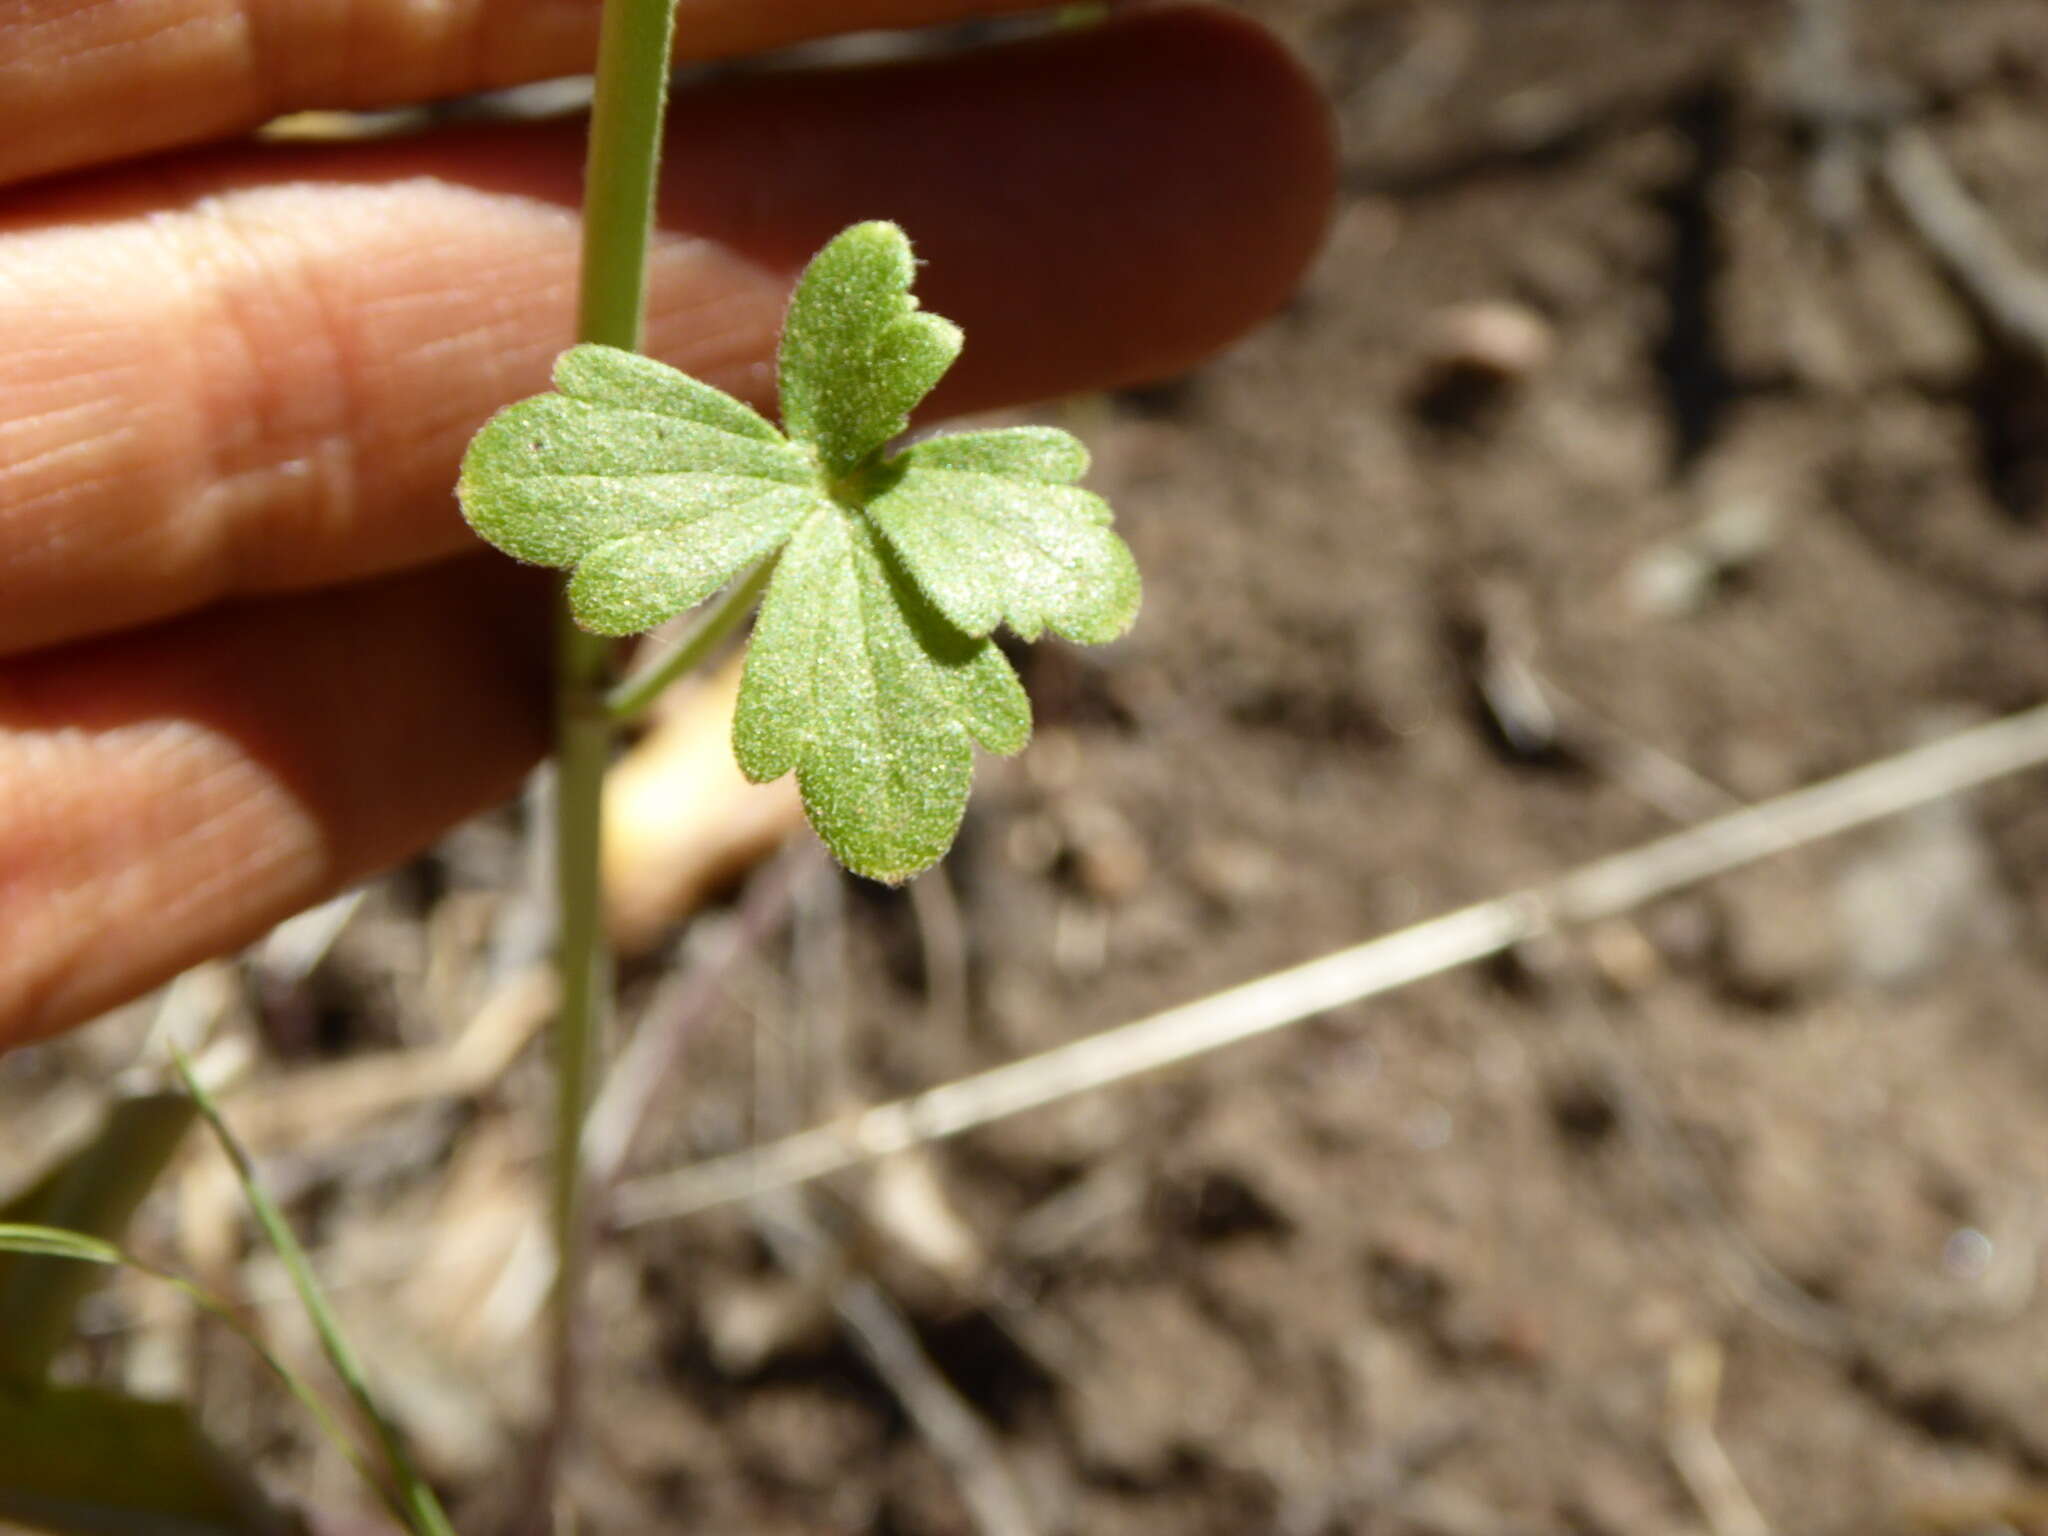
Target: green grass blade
point(416, 1504)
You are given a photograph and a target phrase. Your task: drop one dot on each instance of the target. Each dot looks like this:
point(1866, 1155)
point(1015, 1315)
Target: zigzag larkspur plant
point(871, 673)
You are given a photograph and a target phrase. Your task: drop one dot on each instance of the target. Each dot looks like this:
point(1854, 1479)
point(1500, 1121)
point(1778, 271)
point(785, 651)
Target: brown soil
point(1427, 1265)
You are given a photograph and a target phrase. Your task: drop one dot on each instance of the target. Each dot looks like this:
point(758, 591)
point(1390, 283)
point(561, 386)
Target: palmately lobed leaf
point(871, 673)
point(857, 353)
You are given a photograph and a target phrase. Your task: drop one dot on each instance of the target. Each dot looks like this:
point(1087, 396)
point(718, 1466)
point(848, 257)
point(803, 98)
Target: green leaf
point(55, 1243)
point(81, 1461)
point(871, 673)
point(872, 698)
point(628, 381)
point(92, 1192)
point(656, 488)
point(631, 584)
point(857, 352)
point(989, 527)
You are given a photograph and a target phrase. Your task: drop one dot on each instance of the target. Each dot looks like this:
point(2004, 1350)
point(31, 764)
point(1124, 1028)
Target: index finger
point(240, 372)
point(86, 84)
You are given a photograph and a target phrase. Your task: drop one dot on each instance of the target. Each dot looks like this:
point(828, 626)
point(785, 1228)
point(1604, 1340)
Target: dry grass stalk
point(1602, 889)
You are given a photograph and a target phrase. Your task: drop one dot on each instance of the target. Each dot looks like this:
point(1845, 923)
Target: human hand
point(245, 655)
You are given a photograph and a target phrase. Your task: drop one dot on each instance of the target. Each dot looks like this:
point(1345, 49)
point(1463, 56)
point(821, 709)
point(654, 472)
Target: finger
point(168, 795)
point(249, 373)
point(87, 84)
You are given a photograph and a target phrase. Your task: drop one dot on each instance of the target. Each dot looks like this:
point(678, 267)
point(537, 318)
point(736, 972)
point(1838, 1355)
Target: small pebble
point(1429, 1128)
point(1682, 575)
point(1495, 336)
point(1968, 1254)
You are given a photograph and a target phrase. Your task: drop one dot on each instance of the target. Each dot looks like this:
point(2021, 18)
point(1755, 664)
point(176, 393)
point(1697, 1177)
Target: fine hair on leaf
point(872, 673)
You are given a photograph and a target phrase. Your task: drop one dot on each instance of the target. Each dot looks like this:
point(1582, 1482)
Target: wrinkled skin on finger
point(241, 663)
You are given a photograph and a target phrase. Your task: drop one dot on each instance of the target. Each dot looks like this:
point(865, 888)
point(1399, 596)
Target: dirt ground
point(1626, 456)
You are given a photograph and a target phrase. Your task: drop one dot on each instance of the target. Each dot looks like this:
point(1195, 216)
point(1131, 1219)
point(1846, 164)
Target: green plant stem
point(631, 698)
point(618, 214)
point(619, 178)
point(583, 746)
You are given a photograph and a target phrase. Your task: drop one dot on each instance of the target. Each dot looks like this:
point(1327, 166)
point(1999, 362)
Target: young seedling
point(880, 575)
point(871, 672)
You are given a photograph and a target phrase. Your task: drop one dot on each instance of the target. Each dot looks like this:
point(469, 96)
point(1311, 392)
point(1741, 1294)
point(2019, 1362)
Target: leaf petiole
point(631, 698)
